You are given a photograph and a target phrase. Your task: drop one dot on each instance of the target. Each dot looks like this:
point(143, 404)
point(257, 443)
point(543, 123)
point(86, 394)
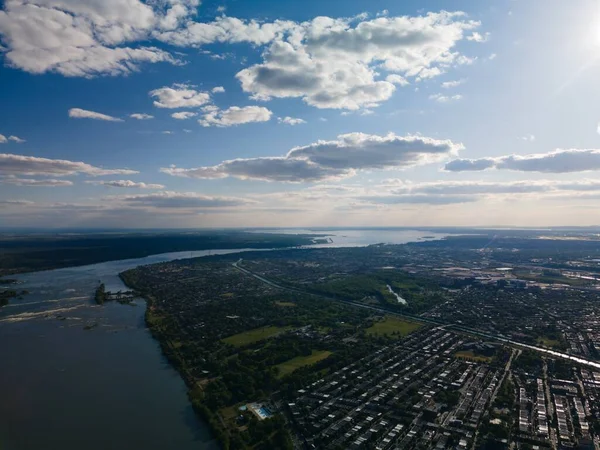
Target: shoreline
point(16, 272)
point(167, 351)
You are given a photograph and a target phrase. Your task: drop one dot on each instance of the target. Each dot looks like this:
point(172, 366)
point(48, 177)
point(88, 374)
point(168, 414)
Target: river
point(108, 387)
point(400, 299)
point(361, 237)
point(68, 387)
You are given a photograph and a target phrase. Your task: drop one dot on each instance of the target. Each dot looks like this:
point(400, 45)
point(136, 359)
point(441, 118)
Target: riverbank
point(44, 336)
point(32, 253)
point(155, 324)
point(230, 335)
point(55, 360)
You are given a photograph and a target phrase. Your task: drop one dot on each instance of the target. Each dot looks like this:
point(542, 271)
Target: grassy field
point(252, 336)
point(547, 342)
point(301, 361)
point(286, 304)
point(551, 279)
point(391, 325)
point(468, 354)
point(407, 285)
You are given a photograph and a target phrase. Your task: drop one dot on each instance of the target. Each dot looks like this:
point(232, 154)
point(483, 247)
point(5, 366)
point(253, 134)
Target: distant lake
point(109, 387)
point(361, 237)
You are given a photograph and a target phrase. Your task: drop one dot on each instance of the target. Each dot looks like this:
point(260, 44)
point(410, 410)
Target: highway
point(455, 327)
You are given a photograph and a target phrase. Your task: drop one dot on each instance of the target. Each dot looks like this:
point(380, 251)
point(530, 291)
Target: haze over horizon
point(183, 114)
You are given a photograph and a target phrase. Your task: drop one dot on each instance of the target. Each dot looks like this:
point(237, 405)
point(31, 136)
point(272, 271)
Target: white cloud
point(527, 138)
point(334, 63)
point(341, 63)
point(487, 187)
point(17, 165)
point(397, 79)
point(169, 199)
point(441, 98)
point(218, 90)
point(126, 184)
point(418, 199)
point(77, 113)
point(492, 56)
point(557, 161)
point(33, 182)
point(478, 37)
point(3, 139)
point(451, 192)
point(75, 38)
point(235, 116)
point(184, 115)
point(291, 120)
point(16, 139)
point(16, 202)
point(367, 151)
point(179, 96)
point(225, 30)
point(464, 165)
point(456, 192)
point(330, 160)
point(453, 83)
point(141, 116)
point(263, 169)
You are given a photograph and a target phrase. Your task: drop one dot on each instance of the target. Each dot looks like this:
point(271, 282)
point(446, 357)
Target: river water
point(361, 237)
point(108, 387)
point(400, 299)
point(67, 387)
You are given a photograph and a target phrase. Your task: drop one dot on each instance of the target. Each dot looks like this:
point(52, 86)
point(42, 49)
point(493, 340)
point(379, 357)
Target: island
point(6, 295)
point(101, 295)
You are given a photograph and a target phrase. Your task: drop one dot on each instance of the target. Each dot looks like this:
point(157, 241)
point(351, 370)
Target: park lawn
point(229, 412)
point(286, 304)
point(405, 285)
point(550, 279)
point(468, 354)
point(252, 336)
point(176, 344)
point(301, 361)
point(387, 295)
point(393, 324)
point(153, 318)
point(547, 342)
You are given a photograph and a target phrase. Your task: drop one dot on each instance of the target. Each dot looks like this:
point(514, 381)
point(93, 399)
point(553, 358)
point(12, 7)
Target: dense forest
point(28, 253)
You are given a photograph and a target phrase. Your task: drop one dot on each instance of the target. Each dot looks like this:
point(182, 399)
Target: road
point(550, 408)
point(451, 326)
point(505, 373)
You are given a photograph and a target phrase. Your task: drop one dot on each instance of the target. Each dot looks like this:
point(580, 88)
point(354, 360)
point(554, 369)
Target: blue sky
point(324, 113)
